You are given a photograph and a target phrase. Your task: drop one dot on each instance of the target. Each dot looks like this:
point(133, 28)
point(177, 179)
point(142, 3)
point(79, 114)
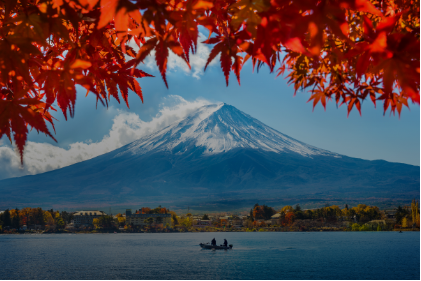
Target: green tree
point(308, 214)
point(7, 220)
point(38, 214)
point(67, 217)
point(379, 227)
point(148, 221)
point(400, 214)
point(16, 219)
point(58, 220)
point(268, 212)
point(365, 227)
point(106, 221)
point(205, 217)
point(251, 217)
point(355, 227)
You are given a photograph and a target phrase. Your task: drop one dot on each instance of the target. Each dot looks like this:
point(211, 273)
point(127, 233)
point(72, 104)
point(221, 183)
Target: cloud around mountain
point(127, 127)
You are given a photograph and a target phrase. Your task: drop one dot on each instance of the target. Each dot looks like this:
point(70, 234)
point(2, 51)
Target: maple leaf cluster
point(342, 50)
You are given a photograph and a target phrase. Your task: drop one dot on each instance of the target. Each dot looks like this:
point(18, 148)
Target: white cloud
point(175, 63)
point(127, 127)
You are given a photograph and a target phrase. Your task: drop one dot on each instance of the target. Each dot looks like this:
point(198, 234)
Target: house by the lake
point(86, 217)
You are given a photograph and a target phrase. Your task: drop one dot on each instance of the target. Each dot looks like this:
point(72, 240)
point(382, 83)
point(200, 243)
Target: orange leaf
point(202, 5)
point(295, 45)
point(57, 3)
point(108, 9)
point(89, 3)
point(81, 64)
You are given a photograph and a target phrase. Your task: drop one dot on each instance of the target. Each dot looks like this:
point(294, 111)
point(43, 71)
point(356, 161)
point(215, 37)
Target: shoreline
point(159, 232)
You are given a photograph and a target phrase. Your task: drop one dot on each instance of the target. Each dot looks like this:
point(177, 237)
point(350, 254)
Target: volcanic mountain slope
point(216, 154)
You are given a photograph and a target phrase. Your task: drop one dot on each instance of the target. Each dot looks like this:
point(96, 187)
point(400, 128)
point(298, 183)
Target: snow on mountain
point(219, 128)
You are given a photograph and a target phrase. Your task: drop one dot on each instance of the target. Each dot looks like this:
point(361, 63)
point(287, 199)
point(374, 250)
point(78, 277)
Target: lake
point(256, 255)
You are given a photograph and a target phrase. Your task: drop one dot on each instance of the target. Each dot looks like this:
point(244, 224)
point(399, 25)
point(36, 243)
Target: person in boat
point(225, 243)
point(213, 243)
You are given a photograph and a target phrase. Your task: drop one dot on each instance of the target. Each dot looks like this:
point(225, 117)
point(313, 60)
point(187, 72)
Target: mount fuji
point(217, 157)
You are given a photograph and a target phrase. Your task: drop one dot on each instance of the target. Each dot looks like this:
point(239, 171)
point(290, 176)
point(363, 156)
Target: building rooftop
point(90, 213)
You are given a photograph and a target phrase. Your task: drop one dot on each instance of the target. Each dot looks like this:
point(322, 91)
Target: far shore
point(193, 231)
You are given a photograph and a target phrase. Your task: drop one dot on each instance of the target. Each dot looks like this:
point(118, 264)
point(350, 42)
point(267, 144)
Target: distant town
point(259, 218)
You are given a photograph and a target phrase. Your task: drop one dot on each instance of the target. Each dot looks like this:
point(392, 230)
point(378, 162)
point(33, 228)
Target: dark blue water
point(270, 255)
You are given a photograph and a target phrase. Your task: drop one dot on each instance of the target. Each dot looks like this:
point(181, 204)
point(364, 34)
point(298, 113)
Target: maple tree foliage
point(342, 50)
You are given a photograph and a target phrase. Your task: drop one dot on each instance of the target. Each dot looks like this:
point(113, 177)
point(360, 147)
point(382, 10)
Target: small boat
point(210, 247)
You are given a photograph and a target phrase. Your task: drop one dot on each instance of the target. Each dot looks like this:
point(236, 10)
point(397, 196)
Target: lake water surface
point(262, 255)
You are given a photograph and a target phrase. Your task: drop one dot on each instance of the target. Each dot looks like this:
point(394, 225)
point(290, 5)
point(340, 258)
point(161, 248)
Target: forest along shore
point(260, 218)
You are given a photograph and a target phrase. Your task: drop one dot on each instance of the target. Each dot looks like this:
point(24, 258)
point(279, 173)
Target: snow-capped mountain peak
point(219, 128)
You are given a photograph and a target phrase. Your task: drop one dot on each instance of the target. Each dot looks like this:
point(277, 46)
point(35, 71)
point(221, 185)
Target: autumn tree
point(347, 51)
point(48, 218)
point(258, 213)
point(186, 221)
point(287, 209)
point(26, 215)
point(95, 222)
point(404, 222)
point(174, 219)
point(146, 210)
point(121, 220)
point(415, 213)
point(365, 213)
point(288, 219)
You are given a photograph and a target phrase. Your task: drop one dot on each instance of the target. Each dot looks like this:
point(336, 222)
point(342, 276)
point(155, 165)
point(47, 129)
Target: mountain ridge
point(217, 154)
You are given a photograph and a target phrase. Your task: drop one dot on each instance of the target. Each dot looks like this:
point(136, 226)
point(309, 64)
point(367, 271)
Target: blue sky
point(370, 136)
